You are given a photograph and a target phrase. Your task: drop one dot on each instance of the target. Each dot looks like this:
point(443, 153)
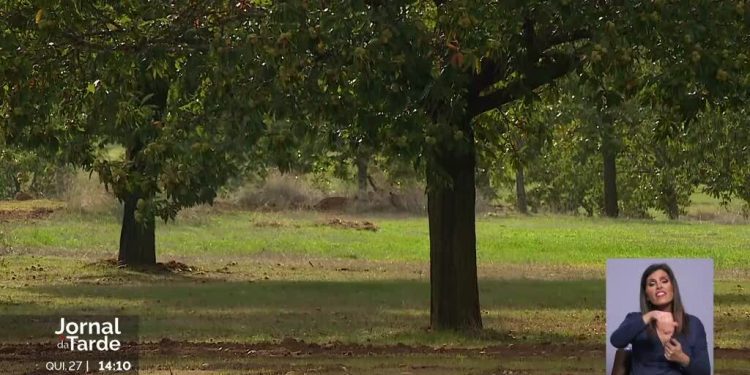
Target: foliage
point(156, 78)
point(722, 139)
point(28, 172)
point(420, 68)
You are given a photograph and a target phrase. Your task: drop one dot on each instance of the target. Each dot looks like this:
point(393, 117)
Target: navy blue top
point(648, 352)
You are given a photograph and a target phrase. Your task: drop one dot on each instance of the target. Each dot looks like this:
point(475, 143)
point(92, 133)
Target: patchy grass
point(255, 300)
point(269, 277)
point(401, 365)
point(540, 363)
point(215, 363)
point(257, 305)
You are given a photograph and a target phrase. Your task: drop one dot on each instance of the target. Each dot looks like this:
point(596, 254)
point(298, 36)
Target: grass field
point(554, 240)
point(278, 287)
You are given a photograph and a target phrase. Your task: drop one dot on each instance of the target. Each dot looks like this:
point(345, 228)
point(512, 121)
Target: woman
point(665, 339)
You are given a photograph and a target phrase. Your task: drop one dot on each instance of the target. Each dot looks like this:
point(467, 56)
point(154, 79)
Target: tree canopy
point(157, 79)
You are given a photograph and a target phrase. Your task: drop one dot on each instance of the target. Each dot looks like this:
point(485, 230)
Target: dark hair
point(678, 309)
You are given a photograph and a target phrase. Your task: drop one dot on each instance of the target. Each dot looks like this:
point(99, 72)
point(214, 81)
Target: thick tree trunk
point(137, 239)
point(610, 182)
point(362, 161)
point(521, 190)
point(453, 264)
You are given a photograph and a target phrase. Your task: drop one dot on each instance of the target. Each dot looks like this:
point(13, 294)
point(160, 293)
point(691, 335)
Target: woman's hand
point(673, 352)
point(665, 324)
point(661, 317)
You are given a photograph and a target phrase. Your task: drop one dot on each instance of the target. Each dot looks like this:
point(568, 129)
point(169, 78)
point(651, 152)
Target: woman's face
point(659, 288)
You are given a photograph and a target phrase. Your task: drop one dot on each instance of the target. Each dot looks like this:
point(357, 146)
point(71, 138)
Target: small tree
point(159, 79)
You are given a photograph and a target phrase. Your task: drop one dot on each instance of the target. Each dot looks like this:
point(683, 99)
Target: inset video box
point(69, 344)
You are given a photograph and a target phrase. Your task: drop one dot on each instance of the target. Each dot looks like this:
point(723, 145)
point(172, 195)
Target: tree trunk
point(610, 182)
point(521, 190)
point(453, 265)
point(672, 208)
point(362, 161)
point(137, 239)
point(32, 184)
point(16, 184)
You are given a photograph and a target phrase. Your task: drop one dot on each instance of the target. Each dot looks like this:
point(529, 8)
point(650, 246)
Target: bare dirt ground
point(168, 354)
point(25, 215)
point(28, 210)
point(352, 224)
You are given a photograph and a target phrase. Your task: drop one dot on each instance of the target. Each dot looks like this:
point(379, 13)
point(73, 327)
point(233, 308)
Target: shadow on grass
point(382, 311)
point(732, 299)
point(377, 312)
point(388, 294)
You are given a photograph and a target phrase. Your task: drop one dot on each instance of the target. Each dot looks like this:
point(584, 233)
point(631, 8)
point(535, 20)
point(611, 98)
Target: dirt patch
point(351, 224)
point(25, 215)
point(273, 224)
point(293, 347)
point(106, 263)
point(329, 358)
point(333, 203)
point(176, 267)
point(34, 268)
point(296, 348)
point(170, 267)
point(268, 224)
point(226, 269)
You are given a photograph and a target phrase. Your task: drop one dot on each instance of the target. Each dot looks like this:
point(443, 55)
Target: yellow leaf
point(39, 16)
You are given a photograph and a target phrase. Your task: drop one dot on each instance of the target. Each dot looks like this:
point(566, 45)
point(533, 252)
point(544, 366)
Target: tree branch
point(551, 68)
point(561, 38)
point(490, 73)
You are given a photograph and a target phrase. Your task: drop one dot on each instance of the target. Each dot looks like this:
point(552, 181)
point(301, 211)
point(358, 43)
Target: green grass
point(551, 240)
